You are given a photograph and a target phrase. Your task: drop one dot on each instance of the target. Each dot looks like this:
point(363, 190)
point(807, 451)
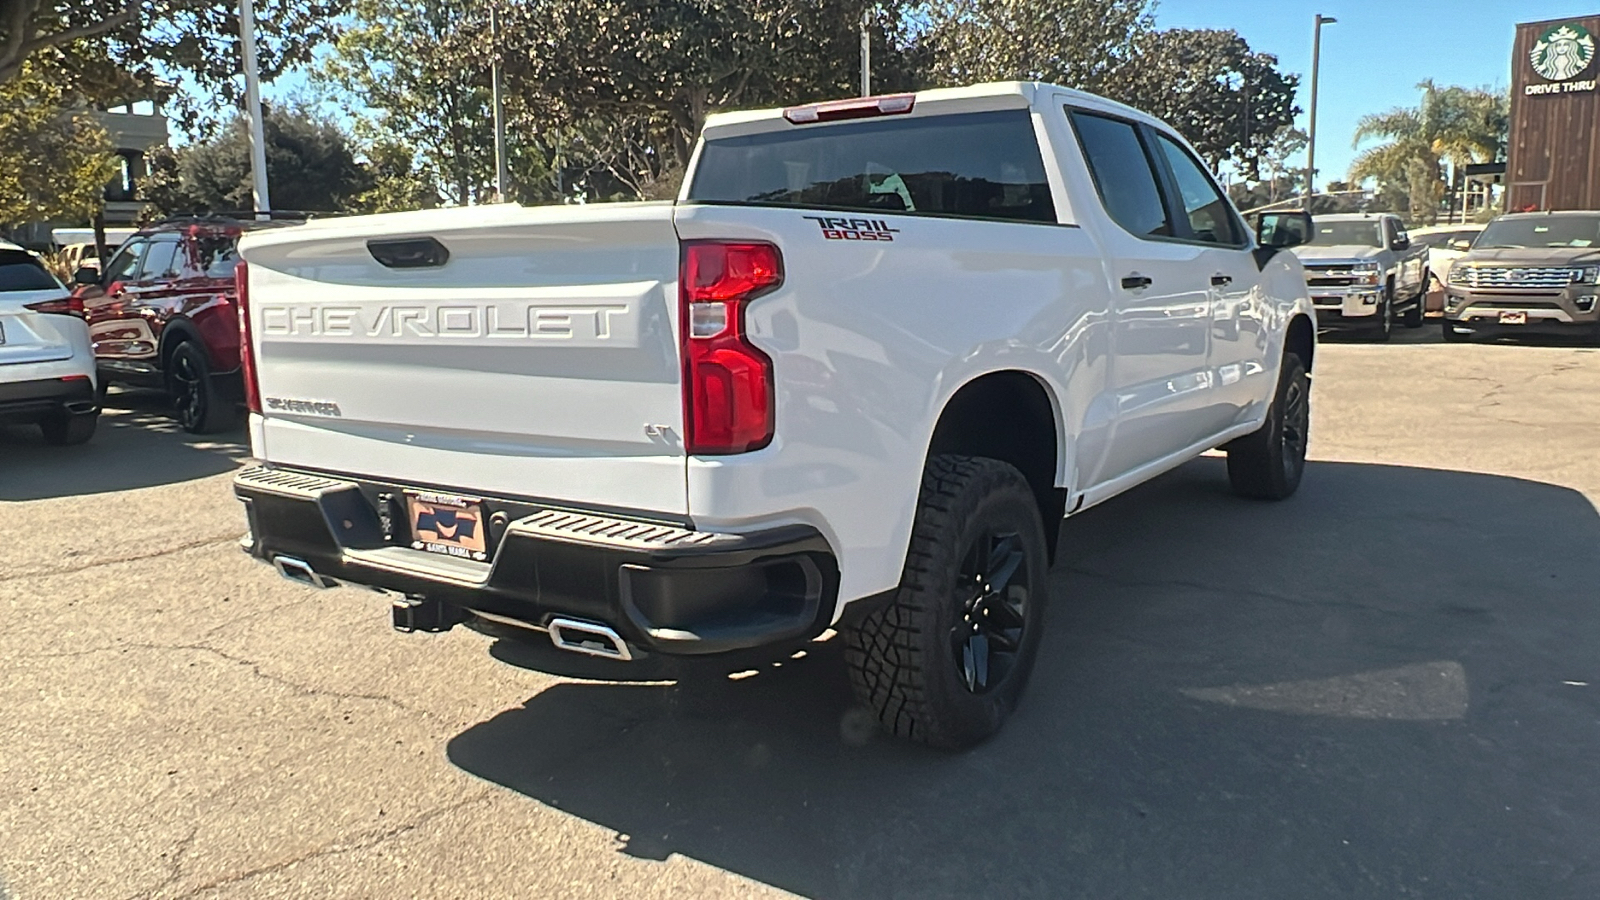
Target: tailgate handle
point(409, 253)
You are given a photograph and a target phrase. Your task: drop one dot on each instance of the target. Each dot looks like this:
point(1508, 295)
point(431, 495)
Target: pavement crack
point(297, 687)
point(174, 865)
point(254, 667)
point(361, 842)
point(137, 557)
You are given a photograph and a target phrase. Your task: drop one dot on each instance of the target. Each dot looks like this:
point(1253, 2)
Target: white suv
point(47, 373)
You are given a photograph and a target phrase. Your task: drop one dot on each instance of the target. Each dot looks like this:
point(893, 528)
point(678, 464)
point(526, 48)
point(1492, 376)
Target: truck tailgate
point(539, 360)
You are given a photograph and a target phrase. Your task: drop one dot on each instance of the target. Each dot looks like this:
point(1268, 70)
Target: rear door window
point(218, 255)
point(1123, 174)
point(972, 165)
point(162, 260)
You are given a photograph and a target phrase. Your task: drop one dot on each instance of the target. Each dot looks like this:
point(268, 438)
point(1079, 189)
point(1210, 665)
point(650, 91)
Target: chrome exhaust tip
point(300, 572)
point(588, 638)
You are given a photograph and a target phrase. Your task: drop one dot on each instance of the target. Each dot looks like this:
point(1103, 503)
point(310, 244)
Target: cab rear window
point(971, 165)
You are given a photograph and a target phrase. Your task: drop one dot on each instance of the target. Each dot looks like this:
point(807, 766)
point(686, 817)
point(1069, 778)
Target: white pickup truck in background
point(854, 378)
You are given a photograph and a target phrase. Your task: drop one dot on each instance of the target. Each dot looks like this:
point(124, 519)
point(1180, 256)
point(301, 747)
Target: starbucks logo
point(1563, 53)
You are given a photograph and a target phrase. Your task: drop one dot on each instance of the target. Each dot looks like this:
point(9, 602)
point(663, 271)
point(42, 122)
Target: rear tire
point(945, 662)
point(1268, 463)
point(200, 406)
point(67, 430)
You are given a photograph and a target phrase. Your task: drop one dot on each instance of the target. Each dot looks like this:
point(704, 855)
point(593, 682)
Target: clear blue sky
point(1374, 57)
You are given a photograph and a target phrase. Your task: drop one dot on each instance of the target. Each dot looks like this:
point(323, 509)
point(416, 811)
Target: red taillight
point(858, 108)
point(727, 381)
point(247, 350)
point(66, 306)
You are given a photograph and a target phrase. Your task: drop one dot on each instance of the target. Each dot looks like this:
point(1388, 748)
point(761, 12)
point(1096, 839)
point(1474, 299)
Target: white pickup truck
point(854, 378)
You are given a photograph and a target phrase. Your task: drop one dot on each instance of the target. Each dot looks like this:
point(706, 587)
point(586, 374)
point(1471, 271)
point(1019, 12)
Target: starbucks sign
point(1563, 53)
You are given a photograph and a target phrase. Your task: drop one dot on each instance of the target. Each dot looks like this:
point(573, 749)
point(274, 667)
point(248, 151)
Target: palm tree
point(1462, 125)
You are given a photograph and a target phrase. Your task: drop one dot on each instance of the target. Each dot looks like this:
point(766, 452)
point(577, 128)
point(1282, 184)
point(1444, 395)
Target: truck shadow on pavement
point(1385, 686)
point(137, 444)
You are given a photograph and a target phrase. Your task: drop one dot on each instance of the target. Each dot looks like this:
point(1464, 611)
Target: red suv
point(162, 314)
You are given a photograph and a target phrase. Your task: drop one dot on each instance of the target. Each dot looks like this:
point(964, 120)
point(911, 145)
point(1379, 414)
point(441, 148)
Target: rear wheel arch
point(177, 332)
point(1009, 415)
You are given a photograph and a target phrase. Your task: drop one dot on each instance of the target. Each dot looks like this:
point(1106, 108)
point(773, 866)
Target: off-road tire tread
point(882, 651)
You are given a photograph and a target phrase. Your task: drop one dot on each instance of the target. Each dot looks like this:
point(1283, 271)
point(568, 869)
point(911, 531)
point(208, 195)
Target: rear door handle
point(1136, 282)
point(1221, 280)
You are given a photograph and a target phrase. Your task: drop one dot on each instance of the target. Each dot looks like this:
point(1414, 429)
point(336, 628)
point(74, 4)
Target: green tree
point(650, 71)
point(420, 68)
point(311, 166)
point(1461, 125)
point(1075, 43)
point(55, 160)
point(113, 46)
point(1230, 102)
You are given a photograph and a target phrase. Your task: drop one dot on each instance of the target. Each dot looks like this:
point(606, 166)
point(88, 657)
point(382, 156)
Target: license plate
point(1513, 318)
point(448, 525)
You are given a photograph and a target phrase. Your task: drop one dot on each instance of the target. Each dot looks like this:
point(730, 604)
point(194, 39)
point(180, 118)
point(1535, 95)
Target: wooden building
point(1554, 153)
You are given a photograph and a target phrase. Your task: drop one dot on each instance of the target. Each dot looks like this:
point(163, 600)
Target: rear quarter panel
point(869, 339)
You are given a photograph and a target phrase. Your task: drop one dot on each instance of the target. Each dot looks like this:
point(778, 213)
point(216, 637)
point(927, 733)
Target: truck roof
point(1355, 217)
point(1554, 214)
point(941, 101)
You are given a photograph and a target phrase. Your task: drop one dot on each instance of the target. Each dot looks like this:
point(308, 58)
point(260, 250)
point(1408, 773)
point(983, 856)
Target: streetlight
point(1316, 65)
point(252, 109)
point(866, 52)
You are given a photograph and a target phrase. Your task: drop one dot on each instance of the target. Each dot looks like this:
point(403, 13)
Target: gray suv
point(1528, 272)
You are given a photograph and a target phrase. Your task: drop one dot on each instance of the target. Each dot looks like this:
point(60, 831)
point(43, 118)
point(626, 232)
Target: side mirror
point(1400, 244)
point(1461, 244)
point(1281, 230)
point(86, 275)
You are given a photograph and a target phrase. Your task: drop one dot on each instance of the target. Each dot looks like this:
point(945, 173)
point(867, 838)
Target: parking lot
point(1387, 686)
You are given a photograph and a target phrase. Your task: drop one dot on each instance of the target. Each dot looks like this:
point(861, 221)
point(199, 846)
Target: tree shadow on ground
point(138, 444)
point(1383, 687)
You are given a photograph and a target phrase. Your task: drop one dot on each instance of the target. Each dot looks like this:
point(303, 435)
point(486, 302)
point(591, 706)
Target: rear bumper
point(662, 587)
point(24, 402)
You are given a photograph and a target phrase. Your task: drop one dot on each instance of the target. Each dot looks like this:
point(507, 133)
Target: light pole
point(866, 52)
point(501, 173)
point(252, 108)
point(1316, 66)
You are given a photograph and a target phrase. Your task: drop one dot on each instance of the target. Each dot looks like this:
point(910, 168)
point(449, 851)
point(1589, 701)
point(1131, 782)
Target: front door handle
point(1221, 280)
point(1136, 282)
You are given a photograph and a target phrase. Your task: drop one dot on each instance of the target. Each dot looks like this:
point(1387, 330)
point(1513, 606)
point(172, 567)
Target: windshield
point(1552, 231)
point(1348, 234)
point(19, 271)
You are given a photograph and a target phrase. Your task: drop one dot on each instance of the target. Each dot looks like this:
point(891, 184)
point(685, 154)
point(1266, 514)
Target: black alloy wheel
point(946, 659)
point(200, 407)
point(987, 639)
point(1296, 427)
point(1268, 463)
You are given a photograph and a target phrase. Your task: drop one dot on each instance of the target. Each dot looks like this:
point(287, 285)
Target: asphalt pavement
point(1387, 686)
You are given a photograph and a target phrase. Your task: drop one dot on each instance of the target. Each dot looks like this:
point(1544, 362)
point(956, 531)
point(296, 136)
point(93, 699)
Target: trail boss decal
point(854, 229)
